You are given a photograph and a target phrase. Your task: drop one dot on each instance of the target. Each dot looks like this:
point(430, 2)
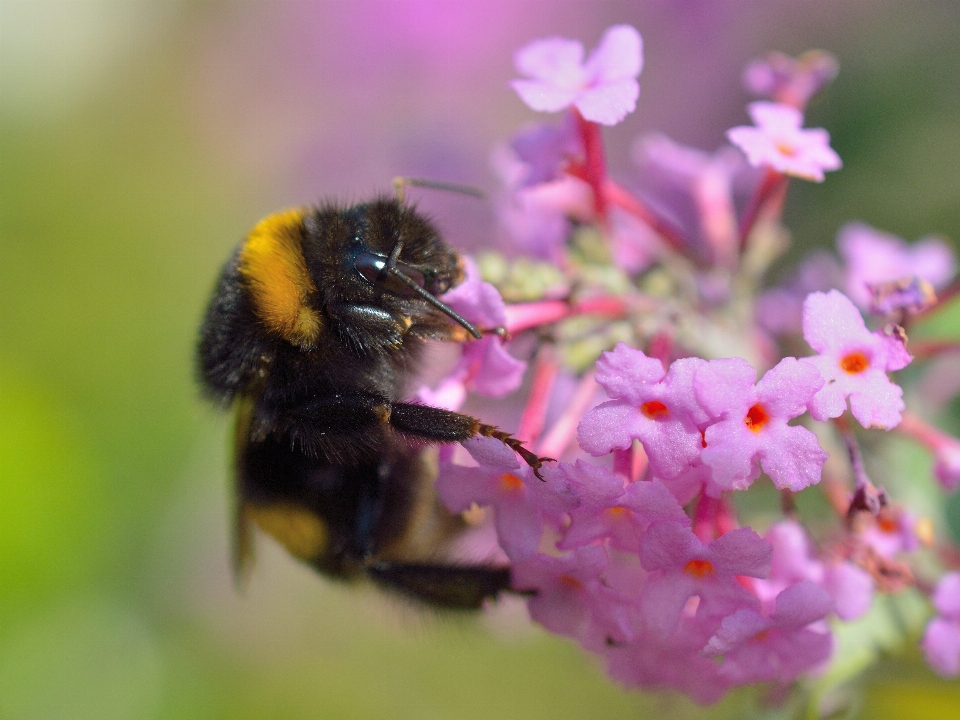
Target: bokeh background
point(140, 140)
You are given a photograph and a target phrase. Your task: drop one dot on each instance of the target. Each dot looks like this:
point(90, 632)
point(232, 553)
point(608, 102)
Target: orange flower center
point(570, 582)
point(855, 362)
point(698, 568)
point(888, 524)
point(756, 418)
point(511, 483)
point(785, 148)
point(654, 409)
point(617, 513)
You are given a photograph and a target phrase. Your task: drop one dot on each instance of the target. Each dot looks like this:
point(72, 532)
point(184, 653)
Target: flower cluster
point(639, 314)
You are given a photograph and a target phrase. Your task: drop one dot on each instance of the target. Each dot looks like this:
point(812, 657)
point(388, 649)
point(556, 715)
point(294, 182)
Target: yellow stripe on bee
point(276, 275)
point(301, 532)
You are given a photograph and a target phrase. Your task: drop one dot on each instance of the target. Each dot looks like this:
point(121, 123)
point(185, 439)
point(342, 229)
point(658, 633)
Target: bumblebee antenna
point(441, 306)
point(400, 182)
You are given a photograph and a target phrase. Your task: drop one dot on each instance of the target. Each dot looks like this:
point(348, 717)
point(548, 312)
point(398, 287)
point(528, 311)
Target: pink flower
point(752, 426)
point(778, 142)
point(650, 405)
point(873, 257)
point(941, 641)
point(603, 90)
point(853, 361)
point(756, 648)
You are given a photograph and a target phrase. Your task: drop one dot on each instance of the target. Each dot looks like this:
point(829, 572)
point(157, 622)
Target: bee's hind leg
point(457, 587)
point(439, 425)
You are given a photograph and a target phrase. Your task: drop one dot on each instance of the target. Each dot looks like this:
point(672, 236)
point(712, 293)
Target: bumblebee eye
point(440, 285)
point(370, 266)
point(374, 270)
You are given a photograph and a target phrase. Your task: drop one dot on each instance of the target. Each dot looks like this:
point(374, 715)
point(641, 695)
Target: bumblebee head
point(377, 265)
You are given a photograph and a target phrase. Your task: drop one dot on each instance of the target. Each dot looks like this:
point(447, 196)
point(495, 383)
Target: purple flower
point(853, 361)
point(521, 502)
point(946, 466)
point(622, 518)
point(945, 448)
point(675, 662)
point(694, 191)
point(780, 309)
point(756, 648)
point(850, 587)
point(545, 148)
point(788, 80)
point(893, 532)
point(753, 425)
point(484, 366)
point(603, 90)
point(941, 641)
point(571, 598)
point(682, 566)
point(650, 405)
point(778, 142)
point(873, 257)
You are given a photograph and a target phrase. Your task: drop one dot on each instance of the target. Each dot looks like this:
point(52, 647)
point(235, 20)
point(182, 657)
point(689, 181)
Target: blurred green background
point(138, 142)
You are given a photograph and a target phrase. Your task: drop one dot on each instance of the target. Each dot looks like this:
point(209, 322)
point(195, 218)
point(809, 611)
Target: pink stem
point(564, 430)
point(525, 316)
point(640, 462)
point(594, 163)
point(535, 412)
point(924, 349)
point(626, 201)
point(725, 519)
point(923, 432)
point(770, 190)
point(623, 463)
point(703, 518)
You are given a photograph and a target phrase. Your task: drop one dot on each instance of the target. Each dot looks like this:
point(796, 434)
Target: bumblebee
point(317, 323)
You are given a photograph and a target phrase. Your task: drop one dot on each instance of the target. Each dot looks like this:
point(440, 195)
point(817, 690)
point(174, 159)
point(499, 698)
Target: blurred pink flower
point(873, 257)
point(779, 142)
point(603, 90)
point(941, 641)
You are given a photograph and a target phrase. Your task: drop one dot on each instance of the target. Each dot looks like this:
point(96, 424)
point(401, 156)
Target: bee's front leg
point(441, 425)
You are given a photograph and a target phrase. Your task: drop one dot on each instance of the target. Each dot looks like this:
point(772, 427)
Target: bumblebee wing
point(242, 532)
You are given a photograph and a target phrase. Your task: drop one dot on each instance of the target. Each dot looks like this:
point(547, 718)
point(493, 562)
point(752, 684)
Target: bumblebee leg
point(442, 425)
point(457, 587)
